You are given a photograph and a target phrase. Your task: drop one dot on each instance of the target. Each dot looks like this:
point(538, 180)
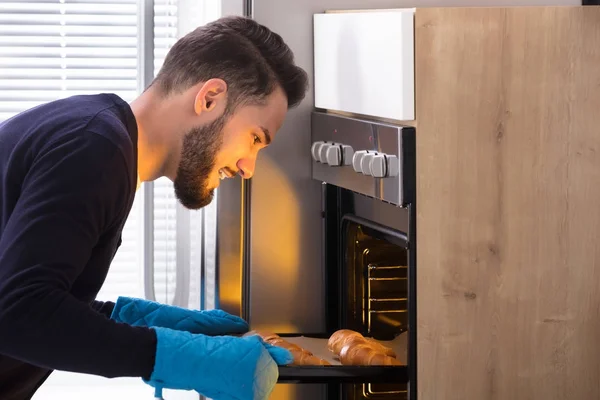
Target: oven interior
point(374, 277)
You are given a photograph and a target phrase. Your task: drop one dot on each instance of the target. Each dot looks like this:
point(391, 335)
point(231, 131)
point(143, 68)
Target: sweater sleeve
point(103, 307)
point(72, 193)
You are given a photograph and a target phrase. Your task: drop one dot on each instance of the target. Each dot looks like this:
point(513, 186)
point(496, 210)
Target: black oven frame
point(337, 209)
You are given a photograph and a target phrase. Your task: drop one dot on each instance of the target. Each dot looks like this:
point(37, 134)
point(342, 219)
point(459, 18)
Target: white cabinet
point(364, 63)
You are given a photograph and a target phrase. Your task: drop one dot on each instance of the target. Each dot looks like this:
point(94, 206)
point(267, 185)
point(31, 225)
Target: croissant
point(343, 337)
point(364, 354)
point(264, 335)
point(279, 342)
point(340, 338)
point(301, 355)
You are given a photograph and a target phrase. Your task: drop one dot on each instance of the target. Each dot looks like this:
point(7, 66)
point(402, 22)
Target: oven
point(367, 171)
point(368, 174)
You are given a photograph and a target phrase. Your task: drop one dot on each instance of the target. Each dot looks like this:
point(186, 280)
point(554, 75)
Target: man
point(68, 174)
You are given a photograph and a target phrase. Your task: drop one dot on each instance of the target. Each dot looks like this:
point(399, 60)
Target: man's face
point(225, 147)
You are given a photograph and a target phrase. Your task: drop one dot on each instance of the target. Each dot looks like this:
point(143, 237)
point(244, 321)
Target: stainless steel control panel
point(371, 158)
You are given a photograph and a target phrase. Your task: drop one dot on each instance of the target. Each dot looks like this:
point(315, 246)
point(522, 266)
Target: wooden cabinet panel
point(508, 226)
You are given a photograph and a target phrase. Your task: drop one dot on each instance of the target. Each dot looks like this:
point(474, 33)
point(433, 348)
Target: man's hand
point(218, 367)
point(139, 312)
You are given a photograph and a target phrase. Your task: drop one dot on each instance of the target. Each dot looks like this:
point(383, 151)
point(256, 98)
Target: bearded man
point(69, 170)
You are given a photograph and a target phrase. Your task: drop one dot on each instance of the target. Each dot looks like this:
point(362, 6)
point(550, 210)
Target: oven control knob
point(393, 166)
point(315, 150)
point(347, 154)
point(334, 155)
point(357, 160)
point(378, 166)
point(323, 152)
point(366, 163)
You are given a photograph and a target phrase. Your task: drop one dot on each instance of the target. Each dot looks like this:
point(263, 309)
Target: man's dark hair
point(249, 57)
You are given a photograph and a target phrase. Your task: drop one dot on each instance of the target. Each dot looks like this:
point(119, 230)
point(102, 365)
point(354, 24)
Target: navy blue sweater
point(68, 173)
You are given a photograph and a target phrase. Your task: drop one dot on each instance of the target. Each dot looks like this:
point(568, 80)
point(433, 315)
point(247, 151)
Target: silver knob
point(357, 160)
point(316, 146)
point(365, 163)
point(393, 166)
point(348, 153)
point(323, 152)
point(378, 166)
point(334, 156)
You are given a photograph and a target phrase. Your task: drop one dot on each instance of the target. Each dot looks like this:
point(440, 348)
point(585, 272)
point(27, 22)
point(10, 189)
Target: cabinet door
point(508, 172)
point(353, 58)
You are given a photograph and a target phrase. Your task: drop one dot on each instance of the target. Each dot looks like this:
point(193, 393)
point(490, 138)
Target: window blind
point(165, 218)
point(51, 49)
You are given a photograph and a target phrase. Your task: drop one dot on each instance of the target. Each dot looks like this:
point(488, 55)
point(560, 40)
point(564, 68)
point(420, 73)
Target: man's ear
point(211, 95)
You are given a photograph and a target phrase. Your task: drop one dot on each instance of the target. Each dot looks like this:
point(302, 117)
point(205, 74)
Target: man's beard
point(200, 146)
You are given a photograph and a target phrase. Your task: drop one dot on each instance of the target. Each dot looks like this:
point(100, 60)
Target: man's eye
point(256, 139)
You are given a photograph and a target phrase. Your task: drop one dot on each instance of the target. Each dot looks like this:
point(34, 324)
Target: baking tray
point(337, 373)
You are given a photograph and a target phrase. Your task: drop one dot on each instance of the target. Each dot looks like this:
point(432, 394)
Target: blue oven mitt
point(218, 367)
point(139, 312)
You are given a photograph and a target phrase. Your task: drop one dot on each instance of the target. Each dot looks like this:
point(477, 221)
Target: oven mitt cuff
point(140, 312)
point(218, 367)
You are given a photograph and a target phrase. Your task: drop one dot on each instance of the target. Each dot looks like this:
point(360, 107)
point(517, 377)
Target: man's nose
point(246, 167)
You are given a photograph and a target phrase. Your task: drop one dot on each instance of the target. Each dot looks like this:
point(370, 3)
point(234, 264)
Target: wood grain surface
point(508, 170)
